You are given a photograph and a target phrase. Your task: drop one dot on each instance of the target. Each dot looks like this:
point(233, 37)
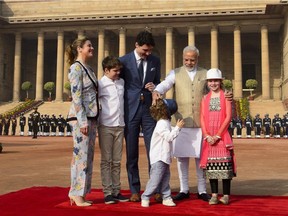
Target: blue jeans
point(159, 180)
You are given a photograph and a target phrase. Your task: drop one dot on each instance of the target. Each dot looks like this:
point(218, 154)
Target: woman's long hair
point(71, 50)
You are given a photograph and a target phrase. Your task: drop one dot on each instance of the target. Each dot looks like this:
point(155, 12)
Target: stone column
point(59, 72)
point(65, 70)
point(169, 55)
point(191, 36)
point(40, 67)
point(101, 38)
point(122, 41)
point(214, 47)
point(237, 64)
point(265, 63)
point(107, 45)
point(80, 33)
point(17, 68)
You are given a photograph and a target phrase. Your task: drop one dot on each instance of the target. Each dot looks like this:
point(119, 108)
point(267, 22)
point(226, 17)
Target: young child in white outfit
point(160, 151)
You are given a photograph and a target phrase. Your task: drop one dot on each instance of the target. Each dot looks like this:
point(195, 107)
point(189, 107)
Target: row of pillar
point(62, 70)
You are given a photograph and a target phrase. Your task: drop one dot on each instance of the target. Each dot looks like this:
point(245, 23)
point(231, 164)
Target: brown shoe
point(158, 198)
point(135, 197)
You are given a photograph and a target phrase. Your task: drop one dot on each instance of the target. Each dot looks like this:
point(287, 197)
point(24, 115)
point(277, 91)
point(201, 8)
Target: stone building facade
point(245, 39)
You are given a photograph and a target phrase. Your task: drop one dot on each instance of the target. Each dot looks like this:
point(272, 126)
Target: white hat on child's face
point(214, 73)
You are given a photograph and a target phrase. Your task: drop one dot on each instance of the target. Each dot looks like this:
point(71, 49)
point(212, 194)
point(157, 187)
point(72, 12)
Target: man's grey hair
point(191, 49)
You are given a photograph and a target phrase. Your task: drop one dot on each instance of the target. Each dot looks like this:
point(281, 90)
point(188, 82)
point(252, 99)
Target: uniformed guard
point(267, 125)
point(53, 125)
point(61, 125)
point(285, 126)
point(68, 128)
point(7, 125)
point(30, 125)
point(14, 125)
point(277, 124)
point(238, 127)
point(248, 125)
point(231, 127)
point(41, 125)
point(35, 119)
point(46, 125)
point(2, 123)
point(22, 123)
point(257, 125)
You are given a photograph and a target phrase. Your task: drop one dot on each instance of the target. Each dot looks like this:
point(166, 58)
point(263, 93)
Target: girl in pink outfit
point(217, 156)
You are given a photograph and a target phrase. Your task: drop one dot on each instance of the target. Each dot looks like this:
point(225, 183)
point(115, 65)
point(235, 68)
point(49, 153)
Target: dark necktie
point(141, 70)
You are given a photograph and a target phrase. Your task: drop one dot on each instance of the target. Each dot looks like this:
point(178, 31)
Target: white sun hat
point(214, 73)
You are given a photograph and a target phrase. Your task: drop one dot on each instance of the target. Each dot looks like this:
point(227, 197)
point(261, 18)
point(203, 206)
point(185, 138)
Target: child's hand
point(180, 123)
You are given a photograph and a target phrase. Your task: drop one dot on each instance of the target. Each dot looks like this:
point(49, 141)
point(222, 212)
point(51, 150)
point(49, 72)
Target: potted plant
point(227, 84)
point(26, 86)
point(251, 84)
point(67, 86)
point(49, 86)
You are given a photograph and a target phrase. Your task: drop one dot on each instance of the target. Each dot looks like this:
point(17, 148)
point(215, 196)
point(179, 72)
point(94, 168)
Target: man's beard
point(189, 68)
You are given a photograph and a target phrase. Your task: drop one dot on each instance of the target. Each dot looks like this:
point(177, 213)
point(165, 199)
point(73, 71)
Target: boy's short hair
point(110, 62)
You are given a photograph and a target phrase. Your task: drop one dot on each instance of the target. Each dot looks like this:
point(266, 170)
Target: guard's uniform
point(277, 124)
point(61, 125)
point(267, 125)
point(231, 127)
point(68, 129)
point(22, 123)
point(53, 125)
point(35, 119)
point(239, 127)
point(6, 126)
point(2, 122)
point(46, 125)
point(257, 125)
point(285, 126)
point(248, 125)
point(14, 125)
point(30, 125)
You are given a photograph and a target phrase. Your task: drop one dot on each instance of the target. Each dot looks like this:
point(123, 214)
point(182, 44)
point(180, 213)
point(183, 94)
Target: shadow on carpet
point(54, 201)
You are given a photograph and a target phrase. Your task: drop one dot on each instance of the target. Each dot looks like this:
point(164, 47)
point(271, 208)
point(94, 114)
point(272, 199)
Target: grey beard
point(189, 69)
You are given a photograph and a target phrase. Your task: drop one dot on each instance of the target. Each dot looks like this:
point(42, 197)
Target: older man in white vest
point(189, 86)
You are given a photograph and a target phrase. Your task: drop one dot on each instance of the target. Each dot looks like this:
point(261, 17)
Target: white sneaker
point(145, 203)
point(168, 202)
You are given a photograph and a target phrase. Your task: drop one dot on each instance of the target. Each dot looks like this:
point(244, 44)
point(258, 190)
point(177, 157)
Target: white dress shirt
point(138, 60)
point(111, 98)
point(169, 81)
point(161, 142)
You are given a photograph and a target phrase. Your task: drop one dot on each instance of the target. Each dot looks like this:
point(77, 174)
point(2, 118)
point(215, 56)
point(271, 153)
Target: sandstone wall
point(24, 8)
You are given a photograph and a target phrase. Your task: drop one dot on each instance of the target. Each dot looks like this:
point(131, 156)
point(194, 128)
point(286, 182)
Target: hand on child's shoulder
point(180, 123)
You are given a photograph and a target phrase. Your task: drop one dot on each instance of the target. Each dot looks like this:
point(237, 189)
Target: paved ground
point(25, 162)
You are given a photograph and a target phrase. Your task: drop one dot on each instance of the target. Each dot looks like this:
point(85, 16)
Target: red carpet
point(53, 201)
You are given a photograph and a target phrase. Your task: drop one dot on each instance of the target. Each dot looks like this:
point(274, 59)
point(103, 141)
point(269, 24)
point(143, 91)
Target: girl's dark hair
point(110, 62)
point(71, 50)
point(159, 110)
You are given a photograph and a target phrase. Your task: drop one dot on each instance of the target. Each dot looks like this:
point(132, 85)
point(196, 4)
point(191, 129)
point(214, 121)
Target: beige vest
point(188, 96)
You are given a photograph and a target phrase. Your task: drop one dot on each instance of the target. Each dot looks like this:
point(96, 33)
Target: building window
point(248, 72)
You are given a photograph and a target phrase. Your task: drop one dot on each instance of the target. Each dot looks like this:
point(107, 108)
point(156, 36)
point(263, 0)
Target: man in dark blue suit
point(141, 72)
